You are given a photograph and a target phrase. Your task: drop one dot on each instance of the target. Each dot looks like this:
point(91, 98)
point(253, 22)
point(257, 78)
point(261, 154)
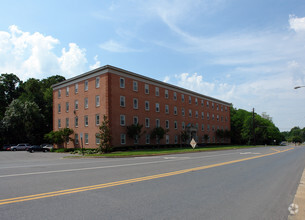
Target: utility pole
point(253, 127)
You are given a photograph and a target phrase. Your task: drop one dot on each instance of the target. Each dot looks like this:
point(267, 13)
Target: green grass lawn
point(162, 151)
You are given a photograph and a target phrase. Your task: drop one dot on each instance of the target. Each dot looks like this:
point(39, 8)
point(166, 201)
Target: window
point(135, 86)
point(97, 139)
point(97, 101)
point(135, 103)
point(175, 125)
point(226, 109)
point(212, 105)
point(97, 82)
point(166, 124)
point(67, 91)
point(76, 141)
point(175, 110)
point(122, 120)
point(226, 118)
point(86, 120)
point(182, 112)
point(208, 128)
point(217, 117)
point(67, 122)
point(76, 104)
point(67, 106)
point(122, 83)
point(86, 85)
point(157, 107)
point(123, 138)
point(197, 125)
point(221, 118)
point(59, 108)
point(207, 103)
point(190, 112)
point(157, 123)
point(146, 89)
point(183, 125)
point(166, 93)
point(175, 96)
point(147, 105)
point(86, 102)
point(202, 127)
point(59, 123)
point(135, 120)
point(147, 139)
point(76, 88)
point(147, 122)
point(167, 139)
point(86, 138)
point(176, 139)
point(213, 117)
point(196, 114)
point(136, 139)
point(202, 103)
point(182, 97)
point(190, 100)
point(157, 91)
point(213, 128)
point(59, 93)
point(222, 108)
point(208, 116)
point(166, 109)
point(122, 101)
point(202, 115)
point(217, 107)
point(76, 121)
point(196, 101)
point(97, 119)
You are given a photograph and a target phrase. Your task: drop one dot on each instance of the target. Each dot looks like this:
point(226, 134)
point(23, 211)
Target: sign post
point(81, 139)
point(193, 143)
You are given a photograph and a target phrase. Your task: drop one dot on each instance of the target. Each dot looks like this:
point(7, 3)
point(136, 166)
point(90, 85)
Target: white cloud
point(166, 79)
point(116, 47)
point(297, 24)
point(97, 63)
point(32, 55)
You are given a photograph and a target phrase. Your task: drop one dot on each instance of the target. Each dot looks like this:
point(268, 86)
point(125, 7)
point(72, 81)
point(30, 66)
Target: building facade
point(128, 98)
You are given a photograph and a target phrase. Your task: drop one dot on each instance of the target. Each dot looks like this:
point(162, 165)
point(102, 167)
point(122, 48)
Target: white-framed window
point(175, 110)
point(226, 108)
point(167, 139)
point(67, 91)
point(212, 105)
point(221, 108)
point(146, 87)
point(217, 107)
point(190, 100)
point(122, 101)
point(67, 106)
point(157, 107)
point(196, 114)
point(157, 123)
point(122, 83)
point(146, 105)
point(202, 127)
point(86, 85)
point(76, 88)
point(135, 86)
point(213, 117)
point(86, 138)
point(97, 139)
point(202, 102)
point(175, 125)
point(135, 103)
point(59, 93)
point(76, 121)
point(182, 112)
point(183, 125)
point(167, 124)
point(76, 141)
point(86, 120)
point(59, 108)
point(97, 82)
point(208, 127)
point(208, 104)
point(208, 116)
point(59, 123)
point(157, 91)
point(122, 120)
point(86, 102)
point(147, 141)
point(147, 122)
point(217, 117)
point(123, 138)
point(175, 96)
point(97, 119)
point(182, 97)
point(190, 112)
point(135, 120)
point(76, 104)
point(67, 122)
point(176, 139)
point(97, 101)
point(196, 101)
point(213, 127)
point(166, 93)
point(166, 109)
point(202, 115)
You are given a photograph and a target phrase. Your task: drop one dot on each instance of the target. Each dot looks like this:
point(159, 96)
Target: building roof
point(116, 70)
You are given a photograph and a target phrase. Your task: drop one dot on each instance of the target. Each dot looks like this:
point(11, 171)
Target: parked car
point(34, 148)
point(20, 147)
point(5, 147)
point(49, 146)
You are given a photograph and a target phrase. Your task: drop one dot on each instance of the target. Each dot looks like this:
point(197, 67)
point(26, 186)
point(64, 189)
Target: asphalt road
point(243, 184)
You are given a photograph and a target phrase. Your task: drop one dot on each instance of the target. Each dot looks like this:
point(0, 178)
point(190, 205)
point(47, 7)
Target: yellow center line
point(275, 150)
point(122, 182)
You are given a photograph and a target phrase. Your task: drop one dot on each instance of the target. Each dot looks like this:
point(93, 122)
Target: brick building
point(126, 98)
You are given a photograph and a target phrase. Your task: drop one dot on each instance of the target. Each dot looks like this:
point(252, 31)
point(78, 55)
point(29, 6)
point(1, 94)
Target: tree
point(158, 133)
point(105, 136)
point(62, 136)
point(206, 137)
point(184, 136)
point(134, 131)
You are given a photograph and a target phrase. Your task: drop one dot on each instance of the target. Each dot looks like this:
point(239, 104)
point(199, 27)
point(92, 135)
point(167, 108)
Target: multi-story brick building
point(126, 98)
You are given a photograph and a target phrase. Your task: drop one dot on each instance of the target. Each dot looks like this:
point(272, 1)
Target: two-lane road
point(257, 183)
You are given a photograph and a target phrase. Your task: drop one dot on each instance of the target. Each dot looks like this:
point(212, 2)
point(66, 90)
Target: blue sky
point(249, 53)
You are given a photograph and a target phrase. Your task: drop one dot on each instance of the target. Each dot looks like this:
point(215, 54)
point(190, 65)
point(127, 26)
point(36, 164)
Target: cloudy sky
point(249, 53)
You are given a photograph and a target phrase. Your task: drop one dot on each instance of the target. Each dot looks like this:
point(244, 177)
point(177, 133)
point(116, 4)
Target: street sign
point(193, 143)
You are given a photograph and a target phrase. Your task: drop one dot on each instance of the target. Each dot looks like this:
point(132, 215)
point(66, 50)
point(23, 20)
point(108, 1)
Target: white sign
point(193, 143)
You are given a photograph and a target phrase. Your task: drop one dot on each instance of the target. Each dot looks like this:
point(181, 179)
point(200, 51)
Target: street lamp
point(297, 87)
